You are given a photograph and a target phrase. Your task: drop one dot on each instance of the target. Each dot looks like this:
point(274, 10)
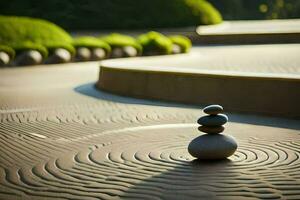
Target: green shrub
point(18, 30)
point(91, 42)
point(116, 14)
point(182, 41)
point(10, 51)
point(119, 40)
point(204, 11)
point(154, 43)
point(25, 46)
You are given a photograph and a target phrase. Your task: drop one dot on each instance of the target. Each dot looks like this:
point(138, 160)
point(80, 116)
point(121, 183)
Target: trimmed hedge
point(10, 51)
point(91, 42)
point(26, 46)
point(120, 40)
point(155, 43)
point(182, 41)
point(116, 14)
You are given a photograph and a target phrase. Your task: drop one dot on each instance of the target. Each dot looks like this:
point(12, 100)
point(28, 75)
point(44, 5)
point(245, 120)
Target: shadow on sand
point(89, 89)
point(200, 180)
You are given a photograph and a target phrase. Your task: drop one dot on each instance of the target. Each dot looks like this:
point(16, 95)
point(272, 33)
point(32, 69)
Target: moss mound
point(24, 33)
point(20, 29)
point(10, 51)
point(120, 40)
point(154, 43)
point(182, 41)
point(204, 12)
point(116, 14)
point(91, 42)
point(26, 46)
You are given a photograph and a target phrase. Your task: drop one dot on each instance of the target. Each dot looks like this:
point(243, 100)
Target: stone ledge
point(264, 93)
point(250, 32)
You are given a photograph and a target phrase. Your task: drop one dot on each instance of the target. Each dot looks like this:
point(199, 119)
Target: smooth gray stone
point(127, 51)
point(213, 109)
point(4, 58)
point(98, 54)
point(130, 51)
point(213, 120)
point(212, 146)
point(117, 52)
point(176, 49)
point(31, 57)
point(59, 55)
point(83, 54)
point(211, 129)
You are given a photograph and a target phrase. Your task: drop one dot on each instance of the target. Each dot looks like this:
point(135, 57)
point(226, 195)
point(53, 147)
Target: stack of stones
point(212, 145)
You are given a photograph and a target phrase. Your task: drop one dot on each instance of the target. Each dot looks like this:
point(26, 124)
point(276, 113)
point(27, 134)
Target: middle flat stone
point(213, 120)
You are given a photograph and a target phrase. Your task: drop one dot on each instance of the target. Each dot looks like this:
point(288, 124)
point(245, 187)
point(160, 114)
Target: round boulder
point(83, 54)
point(117, 52)
point(129, 51)
point(59, 55)
point(212, 147)
point(30, 57)
point(4, 58)
point(98, 54)
point(176, 49)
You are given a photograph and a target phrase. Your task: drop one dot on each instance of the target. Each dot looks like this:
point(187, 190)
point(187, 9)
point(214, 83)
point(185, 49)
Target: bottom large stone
point(212, 147)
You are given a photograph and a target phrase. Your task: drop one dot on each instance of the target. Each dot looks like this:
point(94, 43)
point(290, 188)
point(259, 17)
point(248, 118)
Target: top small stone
point(213, 109)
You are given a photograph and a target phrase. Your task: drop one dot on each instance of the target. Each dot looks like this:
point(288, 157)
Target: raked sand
point(60, 138)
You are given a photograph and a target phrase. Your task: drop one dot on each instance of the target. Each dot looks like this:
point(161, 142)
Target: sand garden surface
point(281, 60)
point(61, 138)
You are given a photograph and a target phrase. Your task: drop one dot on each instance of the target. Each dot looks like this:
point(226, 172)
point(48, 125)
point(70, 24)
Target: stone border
point(271, 95)
point(258, 32)
point(257, 38)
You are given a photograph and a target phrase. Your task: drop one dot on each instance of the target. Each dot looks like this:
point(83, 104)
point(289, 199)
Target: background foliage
point(115, 14)
point(258, 9)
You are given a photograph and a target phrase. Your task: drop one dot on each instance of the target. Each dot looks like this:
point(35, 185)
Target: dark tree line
point(127, 14)
point(258, 9)
point(115, 14)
